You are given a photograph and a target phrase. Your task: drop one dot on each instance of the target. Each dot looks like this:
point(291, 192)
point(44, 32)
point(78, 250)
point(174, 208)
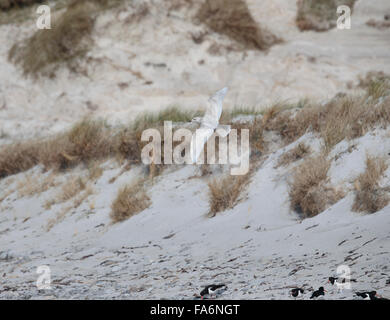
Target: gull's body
point(208, 124)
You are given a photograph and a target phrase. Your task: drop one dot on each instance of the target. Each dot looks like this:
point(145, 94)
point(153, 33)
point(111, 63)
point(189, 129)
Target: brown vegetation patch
point(233, 19)
point(341, 118)
point(70, 189)
point(35, 184)
point(86, 141)
point(9, 4)
point(376, 84)
point(369, 196)
point(66, 43)
point(309, 191)
point(130, 200)
point(60, 216)
point(256, 138)
point(18, 157)
point(224, 193)
point(297, 153)
point(319, 15)
point(378, 24)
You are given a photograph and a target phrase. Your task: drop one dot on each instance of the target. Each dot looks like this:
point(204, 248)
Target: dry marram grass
point(233, 19)
point(369, 196)
point(378, 24)
point(70, 189)
point(297, 153)
point(309, 191)
point(341, 118)
point(36, 184)
point(60, 216)
point(67, 42)
point(224, 193)
point(9, 4)
point(84, 142)
point(131, 199)
point(319, 15)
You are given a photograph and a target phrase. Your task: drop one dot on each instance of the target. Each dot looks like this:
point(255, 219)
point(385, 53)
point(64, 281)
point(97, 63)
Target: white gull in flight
point(209, 123)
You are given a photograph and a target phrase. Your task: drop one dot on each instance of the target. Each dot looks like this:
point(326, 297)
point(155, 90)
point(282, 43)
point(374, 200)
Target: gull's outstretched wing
point(209, 123)
point(223, 130)
point(199, 138)
point(214, 110)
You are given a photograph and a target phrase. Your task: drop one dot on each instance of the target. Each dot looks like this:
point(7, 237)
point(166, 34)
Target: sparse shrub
point(319, 15)
point(369, 196)
point(378, 89)
point(233, 19)
point(297, 153)
point(229, 115)
point(256, 138)
point(75, 187)
point(309, 192)
point(95, 171)
point(66, 43)
point(36, 184)
point(341, 118)
point(80, 198)
point(70, 189)
point(129, 145)
point(60, 216)
point(8, 4)
point(378, 24)
point(130, 200)
point(3, 134)
point(224, 192)
point(85, 141)
point(173, 113)
point(88, 140)
point(376, 84)
point(18, 157)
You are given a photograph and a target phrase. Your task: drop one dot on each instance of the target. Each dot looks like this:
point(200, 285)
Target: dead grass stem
point(310, 193)
point(131, 199)
point(369, 196)
point(299, 152)
point(224, 193)
point(319, 15)
point(232, 18)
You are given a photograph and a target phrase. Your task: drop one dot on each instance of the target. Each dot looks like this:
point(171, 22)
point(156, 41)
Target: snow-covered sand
point(153, 63)
point(260, 249)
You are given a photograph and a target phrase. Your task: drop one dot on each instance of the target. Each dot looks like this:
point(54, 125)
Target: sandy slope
point(153, 63)
point(259, 249)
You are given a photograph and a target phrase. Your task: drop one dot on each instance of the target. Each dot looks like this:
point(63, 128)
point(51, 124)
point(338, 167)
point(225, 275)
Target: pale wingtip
point(220, 93)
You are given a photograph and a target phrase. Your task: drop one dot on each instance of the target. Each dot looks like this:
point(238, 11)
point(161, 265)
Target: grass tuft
point(297, 153)
point(319, 15)
point(341, 118)
point(6, 5)
point(369, 196)
point(66, 43)
point(224, 192)
point(232, 18)
point(309, 192)
point(130, 200)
